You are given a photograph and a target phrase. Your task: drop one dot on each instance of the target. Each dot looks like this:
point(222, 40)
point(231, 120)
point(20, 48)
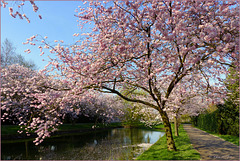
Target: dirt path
point(211, 147)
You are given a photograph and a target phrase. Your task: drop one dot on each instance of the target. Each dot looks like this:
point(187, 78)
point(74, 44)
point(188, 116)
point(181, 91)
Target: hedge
point(224, 121)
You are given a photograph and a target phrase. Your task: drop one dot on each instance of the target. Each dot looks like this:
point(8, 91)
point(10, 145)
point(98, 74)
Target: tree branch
point(130, 99)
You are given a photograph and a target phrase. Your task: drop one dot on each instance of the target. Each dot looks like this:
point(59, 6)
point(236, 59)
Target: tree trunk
point(176, 126)
point(170, 142)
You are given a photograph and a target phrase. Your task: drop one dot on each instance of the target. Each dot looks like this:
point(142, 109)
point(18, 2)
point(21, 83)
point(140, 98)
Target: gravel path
point(211, 147)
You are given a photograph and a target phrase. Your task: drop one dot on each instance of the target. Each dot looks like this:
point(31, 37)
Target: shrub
point(222, 121)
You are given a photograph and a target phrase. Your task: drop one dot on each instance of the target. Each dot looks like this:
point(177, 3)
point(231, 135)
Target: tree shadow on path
point(211, 147)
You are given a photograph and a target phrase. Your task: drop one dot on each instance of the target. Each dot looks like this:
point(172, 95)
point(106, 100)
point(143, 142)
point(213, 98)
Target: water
point(113, 144)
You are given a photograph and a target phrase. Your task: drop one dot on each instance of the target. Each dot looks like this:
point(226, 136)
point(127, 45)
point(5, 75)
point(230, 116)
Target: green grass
point(230, 138)
point(9, 129)
point(159, 151)
point(160, 126)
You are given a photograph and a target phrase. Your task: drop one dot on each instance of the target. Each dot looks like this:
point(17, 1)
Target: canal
point(111, 144)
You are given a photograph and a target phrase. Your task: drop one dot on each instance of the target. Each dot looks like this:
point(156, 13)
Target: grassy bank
point(230, 138)
point(12, 129)
point(9, 129)
point(159, 151)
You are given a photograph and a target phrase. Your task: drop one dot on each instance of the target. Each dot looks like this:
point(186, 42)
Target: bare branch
point(130, 99)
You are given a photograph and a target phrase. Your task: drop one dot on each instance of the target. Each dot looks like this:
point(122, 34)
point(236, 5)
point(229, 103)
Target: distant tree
point(188, 98)
point(135, 113)
point(9, 56)
point(7, 52)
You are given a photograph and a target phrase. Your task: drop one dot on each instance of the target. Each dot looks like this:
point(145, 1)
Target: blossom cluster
point(20, 5)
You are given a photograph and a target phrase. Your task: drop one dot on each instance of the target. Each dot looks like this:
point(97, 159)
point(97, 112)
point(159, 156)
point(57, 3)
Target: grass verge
point(229, 138)
point(9, 129)
point(159, 151)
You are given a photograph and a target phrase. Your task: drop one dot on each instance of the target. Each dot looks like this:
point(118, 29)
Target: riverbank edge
point(69, 131)
point(158, 151)
point(15, 137)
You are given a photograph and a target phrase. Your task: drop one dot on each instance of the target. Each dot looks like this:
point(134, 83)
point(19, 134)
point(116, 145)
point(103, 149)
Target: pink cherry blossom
point(19, 7)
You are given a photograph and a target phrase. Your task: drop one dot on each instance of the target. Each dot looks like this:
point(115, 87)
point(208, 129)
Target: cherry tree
point(106, 106)
point(102, 107)
point(192, 97)
point(149, 45)
point(30, 99)
point(39, 103)
point(192, 106)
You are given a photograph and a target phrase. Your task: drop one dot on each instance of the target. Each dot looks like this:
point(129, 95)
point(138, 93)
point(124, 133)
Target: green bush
point(207, 121)
point(224, 121)
point(228, 119)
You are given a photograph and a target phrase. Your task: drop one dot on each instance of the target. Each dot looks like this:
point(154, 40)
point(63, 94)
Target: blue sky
point(58, 23)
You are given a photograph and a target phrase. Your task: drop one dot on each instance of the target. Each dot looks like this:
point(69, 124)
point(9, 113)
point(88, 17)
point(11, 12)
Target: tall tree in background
point(9, 56)
point(7, 52)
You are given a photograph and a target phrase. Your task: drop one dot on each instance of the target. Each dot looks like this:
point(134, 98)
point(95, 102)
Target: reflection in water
point(118, 144)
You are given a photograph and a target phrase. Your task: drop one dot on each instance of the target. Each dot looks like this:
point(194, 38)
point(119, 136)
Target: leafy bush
point(222, 121)
point(207, 121)
point(228, 119)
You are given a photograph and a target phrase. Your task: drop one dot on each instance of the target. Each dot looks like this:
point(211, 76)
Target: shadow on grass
point(159, 150)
